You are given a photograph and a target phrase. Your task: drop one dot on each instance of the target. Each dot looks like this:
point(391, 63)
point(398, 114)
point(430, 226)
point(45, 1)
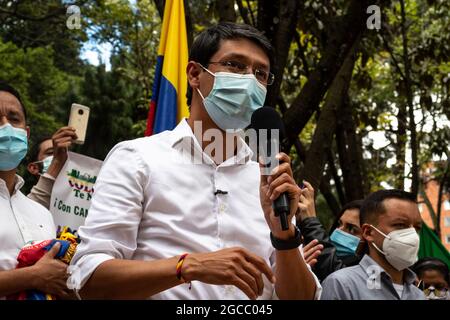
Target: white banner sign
point(73, 190)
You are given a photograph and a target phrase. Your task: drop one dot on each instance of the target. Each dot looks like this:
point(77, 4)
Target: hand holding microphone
point(279, 194)
point(275, 186)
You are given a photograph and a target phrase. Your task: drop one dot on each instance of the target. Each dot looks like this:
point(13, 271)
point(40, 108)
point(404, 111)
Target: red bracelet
point(178, 269)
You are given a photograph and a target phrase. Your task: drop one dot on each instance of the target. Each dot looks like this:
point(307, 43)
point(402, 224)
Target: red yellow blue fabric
point(168, 104)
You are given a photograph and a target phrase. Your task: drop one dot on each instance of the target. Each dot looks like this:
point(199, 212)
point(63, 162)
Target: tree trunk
point(345, 32)
point(225, 10)
point(442, 185)
point(400, 147)
point(367, 184)
point(326, 126)
point(347, 145)
point(160, 4)
point(189, 25)
point(160, 7)
point(278, 21)
point(337, 180)
point(324, 187)
point(267, 10)
point(429, 205)
point(409, 97)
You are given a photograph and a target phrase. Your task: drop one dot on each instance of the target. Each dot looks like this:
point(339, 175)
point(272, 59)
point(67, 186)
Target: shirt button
point(222, 208)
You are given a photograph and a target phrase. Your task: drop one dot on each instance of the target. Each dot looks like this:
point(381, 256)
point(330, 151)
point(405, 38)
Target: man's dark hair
point(207, 43)
point(429, 263)
point(10, 89)
point(355, 204)
point(373, 206)
point(36, 148)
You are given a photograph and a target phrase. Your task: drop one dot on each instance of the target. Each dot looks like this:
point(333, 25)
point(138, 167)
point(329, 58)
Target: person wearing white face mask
point(390, 220)
point(47, 158)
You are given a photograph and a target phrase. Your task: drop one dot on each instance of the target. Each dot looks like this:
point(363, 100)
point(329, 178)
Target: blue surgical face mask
point(345, 243)
point(233, 99)
point(13, 146)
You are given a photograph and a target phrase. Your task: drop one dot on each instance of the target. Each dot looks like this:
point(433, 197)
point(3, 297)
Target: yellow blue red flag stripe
point(168, 104)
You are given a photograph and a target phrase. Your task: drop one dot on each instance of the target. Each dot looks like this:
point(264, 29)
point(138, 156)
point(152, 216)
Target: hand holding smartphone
point(79, 117)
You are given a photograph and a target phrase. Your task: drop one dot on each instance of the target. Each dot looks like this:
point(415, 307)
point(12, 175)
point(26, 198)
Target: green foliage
point(40, 83)
point(112, 101)
point(40, 24)
point(40, 56)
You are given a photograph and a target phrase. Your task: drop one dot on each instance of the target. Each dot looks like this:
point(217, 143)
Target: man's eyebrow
point(239, 56)
point(14, 112)
point(400, 220)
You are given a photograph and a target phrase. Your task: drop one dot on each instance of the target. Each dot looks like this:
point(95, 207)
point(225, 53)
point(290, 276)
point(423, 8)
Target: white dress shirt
point(152, 201)
point(21, 220)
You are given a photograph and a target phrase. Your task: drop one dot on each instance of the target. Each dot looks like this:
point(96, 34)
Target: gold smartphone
point(79, 117)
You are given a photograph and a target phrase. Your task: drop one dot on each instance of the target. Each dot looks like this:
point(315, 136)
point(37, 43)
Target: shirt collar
point(18, 183)
point(182, 135)
point(367, 263)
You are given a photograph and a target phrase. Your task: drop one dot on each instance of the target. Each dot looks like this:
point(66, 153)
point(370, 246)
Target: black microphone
point(268, 146)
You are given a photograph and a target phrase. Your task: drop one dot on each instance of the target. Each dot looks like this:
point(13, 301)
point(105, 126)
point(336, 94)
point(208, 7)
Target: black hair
point(207, 43)
point(430, 263)
point(355, 204)
point(10, 89)
point(373, 205)
point(36, 148)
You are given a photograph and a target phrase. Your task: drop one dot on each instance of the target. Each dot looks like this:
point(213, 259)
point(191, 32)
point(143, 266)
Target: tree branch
point(243, 13)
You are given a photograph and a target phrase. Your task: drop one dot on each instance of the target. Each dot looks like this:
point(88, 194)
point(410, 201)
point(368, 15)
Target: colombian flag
point(168, 105)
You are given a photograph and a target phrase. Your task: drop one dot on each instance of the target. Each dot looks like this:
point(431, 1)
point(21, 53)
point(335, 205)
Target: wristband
point(178, 269)
point(292, 243)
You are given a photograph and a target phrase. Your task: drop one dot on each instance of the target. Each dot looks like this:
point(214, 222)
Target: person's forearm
point(55, 167)
point(293, 278)
point(42, 191)
point(15, 281)
point(130, 279)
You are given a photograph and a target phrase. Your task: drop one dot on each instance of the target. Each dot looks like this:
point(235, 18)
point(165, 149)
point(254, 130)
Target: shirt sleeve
point(42, 191)
point(111, 228)
point(317, 294)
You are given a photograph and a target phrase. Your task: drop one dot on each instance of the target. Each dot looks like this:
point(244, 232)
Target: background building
point(431, 189)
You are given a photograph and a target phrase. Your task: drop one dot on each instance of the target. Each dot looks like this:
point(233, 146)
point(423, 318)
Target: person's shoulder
point(417, 293)
point(341, 284)
point(145, 142)
point(344, 275)
point(145, 145)
point(35, 206)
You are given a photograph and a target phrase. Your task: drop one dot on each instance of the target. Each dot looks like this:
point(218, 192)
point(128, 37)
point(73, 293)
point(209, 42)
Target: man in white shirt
point(168, 210)
point(22, 220)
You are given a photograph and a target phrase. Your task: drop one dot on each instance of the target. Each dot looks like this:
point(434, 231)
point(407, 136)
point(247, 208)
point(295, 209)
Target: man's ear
point(33, 168)
point(193, 71)
point(367, 233)
point(28, 132)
